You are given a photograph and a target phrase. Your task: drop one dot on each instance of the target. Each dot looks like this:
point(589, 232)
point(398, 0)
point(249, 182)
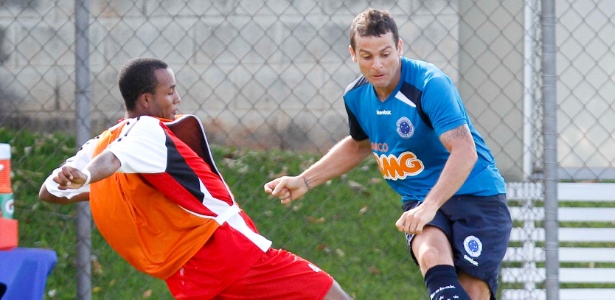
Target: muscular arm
point(460, 144)
point(340, 159)
point(343, 157)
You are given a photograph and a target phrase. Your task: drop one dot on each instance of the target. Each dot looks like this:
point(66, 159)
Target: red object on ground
point(8, 233)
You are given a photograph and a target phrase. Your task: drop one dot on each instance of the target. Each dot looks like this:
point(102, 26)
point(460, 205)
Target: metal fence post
point(550, 148)
point(82, 93)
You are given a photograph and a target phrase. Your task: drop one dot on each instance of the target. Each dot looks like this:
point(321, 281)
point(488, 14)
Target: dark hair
point(137, 77)
point(373, 22)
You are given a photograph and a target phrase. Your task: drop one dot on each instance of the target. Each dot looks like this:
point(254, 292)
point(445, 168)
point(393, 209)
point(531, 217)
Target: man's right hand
point(287, 188)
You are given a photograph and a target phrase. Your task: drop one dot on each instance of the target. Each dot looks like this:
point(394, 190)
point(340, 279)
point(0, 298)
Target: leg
point(476, 288)
point(435, 257)
point(479, 229)
point(431, 248)
point(336, 293)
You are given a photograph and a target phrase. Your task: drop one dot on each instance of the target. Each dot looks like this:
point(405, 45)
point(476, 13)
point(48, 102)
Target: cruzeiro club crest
point(405, 129)
point(473, 246)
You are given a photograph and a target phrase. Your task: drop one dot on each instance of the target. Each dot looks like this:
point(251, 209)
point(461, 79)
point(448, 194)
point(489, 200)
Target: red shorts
point(279, 274)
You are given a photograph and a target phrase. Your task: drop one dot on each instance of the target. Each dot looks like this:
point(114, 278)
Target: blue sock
point(442, 284)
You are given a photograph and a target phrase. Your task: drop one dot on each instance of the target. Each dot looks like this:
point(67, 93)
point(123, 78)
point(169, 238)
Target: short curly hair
point(373, 22)
point(137, 77)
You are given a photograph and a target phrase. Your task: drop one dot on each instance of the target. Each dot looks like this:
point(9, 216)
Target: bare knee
point(431, 257)
point(431, 248)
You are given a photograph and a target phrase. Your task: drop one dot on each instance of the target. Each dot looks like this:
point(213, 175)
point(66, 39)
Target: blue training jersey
point(404, 131)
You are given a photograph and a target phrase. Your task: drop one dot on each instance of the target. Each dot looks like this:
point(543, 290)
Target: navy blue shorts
point(478, 229)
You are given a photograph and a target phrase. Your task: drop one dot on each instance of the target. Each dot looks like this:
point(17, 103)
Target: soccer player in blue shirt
point(409, 115)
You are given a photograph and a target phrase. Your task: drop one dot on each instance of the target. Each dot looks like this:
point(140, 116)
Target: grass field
point(345, 226)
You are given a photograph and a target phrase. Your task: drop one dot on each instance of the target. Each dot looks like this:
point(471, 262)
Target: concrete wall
point(270, 74)
point(491, 76)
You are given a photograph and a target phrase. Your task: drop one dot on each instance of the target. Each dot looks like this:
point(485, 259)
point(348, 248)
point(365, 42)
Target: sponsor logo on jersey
point(383, 112)
point(380, 147)
point(405, 129)
point(399, 167)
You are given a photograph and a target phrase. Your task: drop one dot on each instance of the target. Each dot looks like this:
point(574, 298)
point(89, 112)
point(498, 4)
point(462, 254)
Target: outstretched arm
point(343, 157)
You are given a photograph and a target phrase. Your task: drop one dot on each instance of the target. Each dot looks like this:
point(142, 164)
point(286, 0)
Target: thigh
point(280, 275)
point(442, 227)
point(431, 248)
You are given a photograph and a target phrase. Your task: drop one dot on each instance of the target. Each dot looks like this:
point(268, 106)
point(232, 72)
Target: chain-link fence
point(270, 74)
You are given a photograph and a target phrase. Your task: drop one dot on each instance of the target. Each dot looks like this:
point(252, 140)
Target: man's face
point(379, 61)
point(165, 101)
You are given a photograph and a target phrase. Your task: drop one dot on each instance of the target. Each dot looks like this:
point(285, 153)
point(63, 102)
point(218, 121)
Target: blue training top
point(404, 131)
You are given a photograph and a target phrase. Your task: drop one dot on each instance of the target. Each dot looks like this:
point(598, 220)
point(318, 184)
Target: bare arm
point(103, 166)
point(463, 156)
point(460, 144)
point(343, 157)
point(46, 196)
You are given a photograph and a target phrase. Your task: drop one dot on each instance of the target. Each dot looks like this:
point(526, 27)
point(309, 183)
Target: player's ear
point(144, 100)
point(143, 103)
point(352, 54)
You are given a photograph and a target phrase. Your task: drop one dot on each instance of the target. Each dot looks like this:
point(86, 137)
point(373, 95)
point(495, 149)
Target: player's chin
point(171, 115)
point(379, 82)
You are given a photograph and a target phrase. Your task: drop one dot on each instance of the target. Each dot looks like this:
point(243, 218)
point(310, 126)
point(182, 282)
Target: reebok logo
point(315, 268)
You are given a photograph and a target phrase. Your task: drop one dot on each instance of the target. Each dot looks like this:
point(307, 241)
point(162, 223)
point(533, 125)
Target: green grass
point(345, 226)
